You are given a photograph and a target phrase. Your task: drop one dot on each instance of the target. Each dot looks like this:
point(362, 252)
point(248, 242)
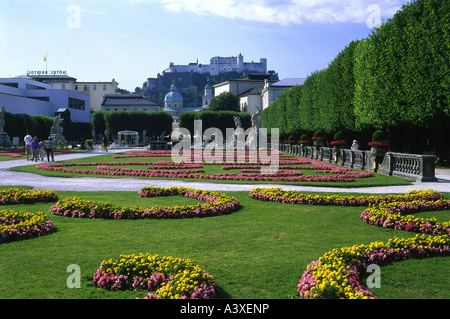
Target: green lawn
point(259, 251)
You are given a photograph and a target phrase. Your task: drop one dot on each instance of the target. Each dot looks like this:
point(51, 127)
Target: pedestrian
point(28, 139)
point(34, 149)
point(105, 143)
point(49, 149)
point(41, 150)
point(355, 145)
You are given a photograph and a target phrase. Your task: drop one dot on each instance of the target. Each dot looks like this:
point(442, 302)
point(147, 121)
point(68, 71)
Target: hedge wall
point(397, 80)
point(220, 119)
point(154, 123)
point(40, 126)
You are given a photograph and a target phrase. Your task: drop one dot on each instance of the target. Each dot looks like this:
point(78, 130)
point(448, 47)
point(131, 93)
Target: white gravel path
point(11, 178)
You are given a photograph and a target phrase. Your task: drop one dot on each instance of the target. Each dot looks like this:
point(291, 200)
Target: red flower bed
point(287, 169)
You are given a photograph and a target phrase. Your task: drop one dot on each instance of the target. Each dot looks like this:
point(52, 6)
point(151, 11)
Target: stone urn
point(337, 152)
point(319, 142)
point(378, 153)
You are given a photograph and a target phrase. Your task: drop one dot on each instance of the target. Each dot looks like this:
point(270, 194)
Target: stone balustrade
point(419, 167)
point(412, 166)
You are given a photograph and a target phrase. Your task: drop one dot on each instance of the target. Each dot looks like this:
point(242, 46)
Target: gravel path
point(11, 178)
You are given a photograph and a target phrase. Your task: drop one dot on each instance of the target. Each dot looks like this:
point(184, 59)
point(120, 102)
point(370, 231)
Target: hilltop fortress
point(195, 76)
point(222, 65)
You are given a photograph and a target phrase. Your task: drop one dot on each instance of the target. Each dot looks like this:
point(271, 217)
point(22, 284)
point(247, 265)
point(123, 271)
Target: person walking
point(41, 150)
point(49, 149)
point(105, 143)
point(34, 149)
point(28, 139)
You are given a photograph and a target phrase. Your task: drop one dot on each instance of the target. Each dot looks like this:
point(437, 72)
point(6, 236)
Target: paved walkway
point(11, 178)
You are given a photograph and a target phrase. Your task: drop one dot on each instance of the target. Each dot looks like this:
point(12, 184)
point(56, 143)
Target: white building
point(221, 65)
point(272, 91)
point(23, 95)
point(256, 90)
point(95, 90)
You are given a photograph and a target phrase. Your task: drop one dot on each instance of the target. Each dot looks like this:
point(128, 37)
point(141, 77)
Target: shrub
point(378, 136)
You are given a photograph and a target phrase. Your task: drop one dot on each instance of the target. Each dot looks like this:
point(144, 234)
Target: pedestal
point(5, 141)
point(58, 139)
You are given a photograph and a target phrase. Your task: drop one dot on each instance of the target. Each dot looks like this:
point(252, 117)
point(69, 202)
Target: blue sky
point(131, 40)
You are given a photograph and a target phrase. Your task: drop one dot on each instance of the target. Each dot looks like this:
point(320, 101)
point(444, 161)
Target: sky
point(132, 40)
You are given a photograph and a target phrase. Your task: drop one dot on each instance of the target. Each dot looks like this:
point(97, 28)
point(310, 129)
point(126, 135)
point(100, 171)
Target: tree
point(225, 101)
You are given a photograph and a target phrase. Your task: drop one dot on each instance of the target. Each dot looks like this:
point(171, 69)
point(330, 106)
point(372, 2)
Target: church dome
point(173, 95)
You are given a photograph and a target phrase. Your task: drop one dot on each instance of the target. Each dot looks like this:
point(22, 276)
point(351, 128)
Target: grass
point(376, 180)
point(258, 252)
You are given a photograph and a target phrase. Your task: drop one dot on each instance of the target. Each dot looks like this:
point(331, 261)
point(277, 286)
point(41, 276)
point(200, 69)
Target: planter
point(318, 143)
point(378, 151)
point(337, 152)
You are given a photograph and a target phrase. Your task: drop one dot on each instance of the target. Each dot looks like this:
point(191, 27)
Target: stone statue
point(2, 118)
point(256, 119)
point(56, 131)
point(5, 141)
point(237, 121)
point(238, 137)
point(56, 128)
point(252, 138)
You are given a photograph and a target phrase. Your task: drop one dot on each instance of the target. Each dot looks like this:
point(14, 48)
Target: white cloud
point(284, 12)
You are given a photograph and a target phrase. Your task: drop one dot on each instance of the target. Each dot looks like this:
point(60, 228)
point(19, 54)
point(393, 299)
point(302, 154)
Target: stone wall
point(413, 166)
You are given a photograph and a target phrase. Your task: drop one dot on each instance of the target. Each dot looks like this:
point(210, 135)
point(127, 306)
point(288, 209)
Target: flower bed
point(336, 274)
point(21, 225)
point(215, 203)
point(398, 215)
point(16, 196)
point(165, 169)
point(10, 154)
point(296, 197)
point(164, 277)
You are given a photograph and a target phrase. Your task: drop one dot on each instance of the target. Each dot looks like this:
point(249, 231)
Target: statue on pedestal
point(56, 131)
point(252, 139)
point(5, 141)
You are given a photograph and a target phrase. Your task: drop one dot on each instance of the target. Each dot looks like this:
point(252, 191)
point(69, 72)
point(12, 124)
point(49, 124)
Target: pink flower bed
point(288, 170)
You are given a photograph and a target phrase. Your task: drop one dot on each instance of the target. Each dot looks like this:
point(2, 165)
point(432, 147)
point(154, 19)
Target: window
point(104, 87)
point(86, 87)
point(94, 87)
point(76, 104)
point(76, 87)
point(63, 86)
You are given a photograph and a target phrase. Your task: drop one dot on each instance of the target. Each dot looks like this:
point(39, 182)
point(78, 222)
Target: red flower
point(340, 142)
point(379, 144)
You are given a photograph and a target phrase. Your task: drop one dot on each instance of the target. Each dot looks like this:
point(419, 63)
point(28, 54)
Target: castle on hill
point(221, 65)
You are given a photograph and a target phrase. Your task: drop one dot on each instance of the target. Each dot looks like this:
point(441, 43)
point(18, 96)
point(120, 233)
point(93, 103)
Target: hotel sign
point(51, 73)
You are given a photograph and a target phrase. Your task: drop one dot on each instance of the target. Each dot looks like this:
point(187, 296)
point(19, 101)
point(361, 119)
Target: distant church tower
point(208, 95)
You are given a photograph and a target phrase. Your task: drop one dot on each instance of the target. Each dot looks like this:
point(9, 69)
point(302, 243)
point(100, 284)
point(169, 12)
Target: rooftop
point(290, 82)
point(126, 99)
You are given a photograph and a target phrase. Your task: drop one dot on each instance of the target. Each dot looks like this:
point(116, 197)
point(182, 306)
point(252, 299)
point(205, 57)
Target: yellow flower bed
point(214, 203)
point(25, 196)
point(23, 225)
point(336, 273)
point(398, 215)
point(296, 197)
point(165, 277)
